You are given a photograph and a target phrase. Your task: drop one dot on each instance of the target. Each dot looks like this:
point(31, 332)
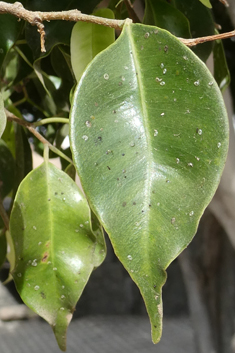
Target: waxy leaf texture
point(149, 137)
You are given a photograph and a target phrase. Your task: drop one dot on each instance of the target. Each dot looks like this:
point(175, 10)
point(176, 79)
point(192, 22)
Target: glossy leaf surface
point(7, 169)
point(88, 39)
point(149, 137)
point(56, 251)
point(3, 119)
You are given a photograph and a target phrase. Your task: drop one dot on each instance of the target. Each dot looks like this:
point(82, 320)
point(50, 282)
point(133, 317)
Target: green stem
point(12, 117)
point(46, 153)
point(51, 120)
point(37, 106)
point(19, 102)
point(60, 153)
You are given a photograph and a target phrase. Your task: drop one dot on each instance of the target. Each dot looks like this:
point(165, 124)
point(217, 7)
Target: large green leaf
point(7, 167)
point(162, 14)
point(56, 249)
point(3, 119)
point(88, 39)
point(149, 137)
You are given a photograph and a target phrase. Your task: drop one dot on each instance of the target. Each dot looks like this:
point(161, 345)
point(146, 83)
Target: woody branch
point(36, 18)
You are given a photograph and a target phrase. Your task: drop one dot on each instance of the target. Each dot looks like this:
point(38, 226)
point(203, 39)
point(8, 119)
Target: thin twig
point(29, 126)
point(224, 2)
point(51, 121)
point(131, 11)
point(36, 18)
point(194, 41)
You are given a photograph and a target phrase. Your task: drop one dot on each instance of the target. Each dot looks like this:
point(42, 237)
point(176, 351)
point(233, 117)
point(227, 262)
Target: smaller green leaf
point(221, 71)
point(3, 119)
point(7, 167)
point(88, 39)
point(206, 3)
point(55, 245)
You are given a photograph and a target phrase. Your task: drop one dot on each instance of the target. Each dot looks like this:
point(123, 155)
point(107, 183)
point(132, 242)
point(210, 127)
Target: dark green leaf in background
point(10, 29)
point(57, 32)
point(149, 136)
point(201, 24)
point(56, 251)
point(221, 71)
point(88, 39)
point(161, 14)
point(7, 170)
point(23, 155)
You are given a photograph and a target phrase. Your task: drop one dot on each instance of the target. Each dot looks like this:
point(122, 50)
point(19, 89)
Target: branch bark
point(36, 18)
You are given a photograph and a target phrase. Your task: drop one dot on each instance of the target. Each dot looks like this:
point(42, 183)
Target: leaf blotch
point(45, 257)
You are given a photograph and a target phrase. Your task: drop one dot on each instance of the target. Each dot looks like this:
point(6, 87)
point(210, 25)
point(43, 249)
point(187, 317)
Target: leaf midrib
point(149, 158)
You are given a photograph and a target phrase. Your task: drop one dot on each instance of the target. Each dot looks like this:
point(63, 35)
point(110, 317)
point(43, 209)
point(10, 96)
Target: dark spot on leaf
point(114, 111)
point(142, 211)
point(119, 83)
point(43, 295)
point(62, 193)
point(123, 154)
point(49, 199)
point(125, 176)
point(150, 205)
point(56, 193)
point(108, 167)
point(134, 203)
point(117, 178)
point(155, 326)
point(166, 48)
point(123, 204)
point(99, 138)
point(45, 256)
point(154, 286)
